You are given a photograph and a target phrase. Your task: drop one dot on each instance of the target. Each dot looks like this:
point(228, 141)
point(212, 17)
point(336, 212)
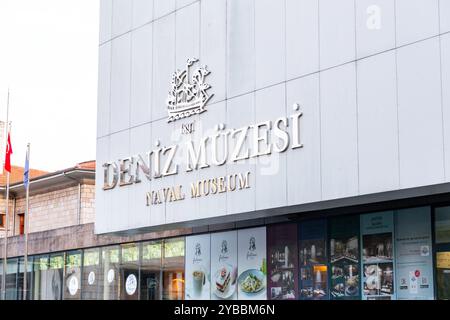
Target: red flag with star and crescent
point(9, 151)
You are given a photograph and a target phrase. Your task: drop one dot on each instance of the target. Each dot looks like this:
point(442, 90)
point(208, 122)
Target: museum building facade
point(266, 149)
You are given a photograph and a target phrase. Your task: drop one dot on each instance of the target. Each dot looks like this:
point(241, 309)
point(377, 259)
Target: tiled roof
point(17, 175)
point(88, 165)
point(17, 172)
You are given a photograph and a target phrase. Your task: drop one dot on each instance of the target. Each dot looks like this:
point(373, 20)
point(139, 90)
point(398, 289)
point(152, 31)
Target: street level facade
point(304, 142)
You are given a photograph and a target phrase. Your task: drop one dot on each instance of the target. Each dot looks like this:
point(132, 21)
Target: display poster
point(252, 264)
point(198, 267)
point(224, 265)
point(413, 259)
point(344, 258)
point(282, 267)
point(377, 243)
point(313, 276)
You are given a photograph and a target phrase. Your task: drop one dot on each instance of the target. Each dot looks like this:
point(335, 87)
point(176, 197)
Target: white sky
point(48, 58)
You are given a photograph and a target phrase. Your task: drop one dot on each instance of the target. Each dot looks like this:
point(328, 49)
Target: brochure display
point(344, 258)
point(377, 256)
point(282, 267)
point(414, 261)
point(313, 276)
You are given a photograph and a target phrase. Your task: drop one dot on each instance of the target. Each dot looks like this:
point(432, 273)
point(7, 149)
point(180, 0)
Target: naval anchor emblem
point(188, 94)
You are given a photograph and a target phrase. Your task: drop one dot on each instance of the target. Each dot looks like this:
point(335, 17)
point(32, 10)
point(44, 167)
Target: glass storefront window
point(20, 278)
point(151, 273)
point(40, 267)
point(11, 279)
point(129, 272)
point(91, 275)
point(443, 275)
point(442, 225)
point(72, 276)
point(442, 236)
point(54, 279)
point(173, 269)
point(111, 272)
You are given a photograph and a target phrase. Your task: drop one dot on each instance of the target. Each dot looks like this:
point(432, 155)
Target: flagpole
point(5, 249)
point(27, 223)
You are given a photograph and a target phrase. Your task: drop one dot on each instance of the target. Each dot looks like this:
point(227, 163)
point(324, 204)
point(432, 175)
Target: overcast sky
point(48, 58)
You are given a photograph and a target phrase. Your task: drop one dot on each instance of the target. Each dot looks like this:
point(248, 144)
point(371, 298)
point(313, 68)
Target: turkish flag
point(9, 151)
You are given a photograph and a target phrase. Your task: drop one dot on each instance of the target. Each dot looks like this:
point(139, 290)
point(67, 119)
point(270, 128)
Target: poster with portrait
point(344, 258)
point(413, 260)
point(377, 265)
point(252, 264)
point(224, 272)
point(313, 278)
point(198, 267)
point(282, 262)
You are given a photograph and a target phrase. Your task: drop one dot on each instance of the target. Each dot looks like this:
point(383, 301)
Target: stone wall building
point(61, 222)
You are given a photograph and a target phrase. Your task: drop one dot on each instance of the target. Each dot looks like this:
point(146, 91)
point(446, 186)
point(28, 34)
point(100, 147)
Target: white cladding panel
point(371, 78)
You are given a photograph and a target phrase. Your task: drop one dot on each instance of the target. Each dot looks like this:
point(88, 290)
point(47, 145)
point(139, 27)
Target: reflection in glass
point(442, 225)
point(40, 273)
point(111, 274)
point(129, 272)
point(54, 278)
point(72, 276)
point(151, 273)
point(11, 279)
point(20, 278)
point(173, 269)
point(92, 276)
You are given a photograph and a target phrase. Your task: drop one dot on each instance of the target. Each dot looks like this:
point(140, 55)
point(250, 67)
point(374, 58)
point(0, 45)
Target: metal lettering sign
point(218, 147)
point(188, 94)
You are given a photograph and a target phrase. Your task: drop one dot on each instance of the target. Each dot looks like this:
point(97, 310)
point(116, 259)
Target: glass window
point(72, 276)
point(11, 279)
point(111, 272)
point(151, 272)
point(20, 278)
point(54, 279)
point(442, 236)
point(91, 275)
point(129, 272)
point(173, 269)
point(442, 225)
point(443, 275)
point(40, 274)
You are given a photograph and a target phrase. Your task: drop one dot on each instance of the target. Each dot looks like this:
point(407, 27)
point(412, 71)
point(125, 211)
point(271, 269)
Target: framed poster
point(344, 258)
point(224, 266)
point(313, 278)
point(198, 267)
point(377, 265)
point(282, 267)
point(413, 258)
point(252, 264)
